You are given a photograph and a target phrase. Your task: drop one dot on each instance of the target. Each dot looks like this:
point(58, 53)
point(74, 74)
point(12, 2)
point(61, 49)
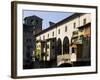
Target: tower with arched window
point(32, 25)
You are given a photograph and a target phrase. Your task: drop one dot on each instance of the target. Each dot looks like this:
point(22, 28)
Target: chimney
point(51, 23)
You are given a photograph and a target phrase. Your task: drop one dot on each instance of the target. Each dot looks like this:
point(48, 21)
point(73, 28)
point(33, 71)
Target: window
point(43, 37)
point(33, 22)
point(28, 47)
point(28, 40)
point(33, 32)
point(48, 35)
point(81, 37)
point(84, 21)
point(65, 28)
point(53, 40)
point(37, 21)
point(53, 33)
point(33, 27)
point(73, 50)
point(28, 54)
point(58, 31)
point(47, 45)
point(74, 25)
point(47, 54)
point(52, 47)
point(39, 46)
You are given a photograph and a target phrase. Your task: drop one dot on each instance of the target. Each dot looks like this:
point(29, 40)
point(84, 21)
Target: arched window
point(59, 47)
point(66, 45)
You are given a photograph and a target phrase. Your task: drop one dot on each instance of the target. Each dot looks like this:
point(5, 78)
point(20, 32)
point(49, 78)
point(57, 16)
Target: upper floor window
point(58, 31)
point(33, 22)
point(74, 25)
point(37, 21)
point(53, 33)
point(84, 21)
point(65, 28)
point(48, 35)
point(43, 37)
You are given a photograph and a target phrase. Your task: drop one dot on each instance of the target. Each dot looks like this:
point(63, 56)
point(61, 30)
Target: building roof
point(75, 15)
point(33, 16)
point(86, 25)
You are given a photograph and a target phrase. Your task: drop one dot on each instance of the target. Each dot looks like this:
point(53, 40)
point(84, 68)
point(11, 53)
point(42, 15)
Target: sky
point(47, 16)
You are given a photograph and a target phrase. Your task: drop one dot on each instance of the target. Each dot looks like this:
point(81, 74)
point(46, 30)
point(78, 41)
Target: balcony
point(75, 33)
point(79, 41)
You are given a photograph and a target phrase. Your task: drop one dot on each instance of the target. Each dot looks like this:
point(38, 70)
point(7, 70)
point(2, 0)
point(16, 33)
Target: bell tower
point(32, 26)
point(34, 21)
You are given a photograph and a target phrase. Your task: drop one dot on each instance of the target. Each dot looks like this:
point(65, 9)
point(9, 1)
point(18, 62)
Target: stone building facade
point(67, 41)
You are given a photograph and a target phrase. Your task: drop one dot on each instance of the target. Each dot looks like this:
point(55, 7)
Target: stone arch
point(65, 45)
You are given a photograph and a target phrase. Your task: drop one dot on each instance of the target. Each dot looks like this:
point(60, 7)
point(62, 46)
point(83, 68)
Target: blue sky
point(47, 16)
